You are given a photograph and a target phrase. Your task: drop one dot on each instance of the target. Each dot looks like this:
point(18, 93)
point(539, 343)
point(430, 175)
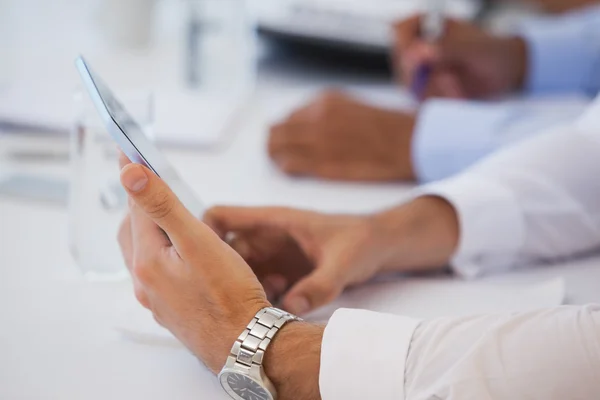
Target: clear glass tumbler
point(97, 202)
point(7, 37)
point(221, 46)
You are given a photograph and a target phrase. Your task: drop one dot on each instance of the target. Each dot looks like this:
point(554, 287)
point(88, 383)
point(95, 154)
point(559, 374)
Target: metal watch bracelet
point(249, 348)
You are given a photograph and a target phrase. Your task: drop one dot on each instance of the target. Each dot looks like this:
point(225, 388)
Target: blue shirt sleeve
point(452, 135)
point(564, 53)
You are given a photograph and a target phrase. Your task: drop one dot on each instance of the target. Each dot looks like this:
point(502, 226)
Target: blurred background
point(199, 66)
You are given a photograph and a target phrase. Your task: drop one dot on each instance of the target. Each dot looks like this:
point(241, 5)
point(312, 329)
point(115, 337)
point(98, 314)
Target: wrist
point(222, 345)
point(421, 235)
point(516, 55)
point(293, 360)
point(399, 130)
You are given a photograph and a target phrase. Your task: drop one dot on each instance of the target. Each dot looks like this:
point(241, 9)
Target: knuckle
point(329, 100)
point(141, 297)
point(330, 96)
point(143, 271)
point(161, 206)
point(288, 166)
point(158, 319)
point(325, 288)
point(278, 130)
point(211, 215)
point(277, 147)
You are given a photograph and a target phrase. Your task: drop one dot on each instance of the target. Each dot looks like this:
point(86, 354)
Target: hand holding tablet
point(130, 137)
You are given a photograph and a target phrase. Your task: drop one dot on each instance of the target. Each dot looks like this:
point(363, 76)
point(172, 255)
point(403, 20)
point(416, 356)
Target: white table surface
point(57, 337)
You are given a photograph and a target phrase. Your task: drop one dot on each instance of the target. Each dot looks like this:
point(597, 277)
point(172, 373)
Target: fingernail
point(299, 305)
point(243, 249)
point(134, 178)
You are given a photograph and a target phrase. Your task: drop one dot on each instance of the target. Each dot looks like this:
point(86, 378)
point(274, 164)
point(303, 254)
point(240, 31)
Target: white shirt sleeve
point(363, 355)
point(552, 355)
point(536, 201)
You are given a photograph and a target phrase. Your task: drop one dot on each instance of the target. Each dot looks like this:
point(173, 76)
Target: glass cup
point(221, 46)
point(7, 36)
point(97, 202)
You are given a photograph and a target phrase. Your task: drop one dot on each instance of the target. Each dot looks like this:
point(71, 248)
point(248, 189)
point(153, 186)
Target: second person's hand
point(467, 62)
point(337, 137)
point(307, 259)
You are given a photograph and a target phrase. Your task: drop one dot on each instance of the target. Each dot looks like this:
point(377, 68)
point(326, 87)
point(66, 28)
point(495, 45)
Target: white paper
point(194, 119)
point(417, 298)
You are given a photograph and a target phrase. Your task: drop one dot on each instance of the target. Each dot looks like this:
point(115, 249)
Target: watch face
point(242, 387)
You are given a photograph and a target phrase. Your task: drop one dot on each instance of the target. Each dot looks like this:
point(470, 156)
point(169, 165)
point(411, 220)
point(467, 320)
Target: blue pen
point(432, 29)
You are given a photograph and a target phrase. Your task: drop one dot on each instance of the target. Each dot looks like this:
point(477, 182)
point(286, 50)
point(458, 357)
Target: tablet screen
point(127, 127)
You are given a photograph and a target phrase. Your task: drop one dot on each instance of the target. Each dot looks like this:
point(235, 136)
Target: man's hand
point(336, 137)
point(308, 259)
point(466, 62)
point(194, 283)
point(561, 6)
point(202, 290)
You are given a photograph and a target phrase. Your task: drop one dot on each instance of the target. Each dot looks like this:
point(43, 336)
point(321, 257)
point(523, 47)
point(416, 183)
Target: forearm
point(293, 361)
point(420, 235)
point(561, 6)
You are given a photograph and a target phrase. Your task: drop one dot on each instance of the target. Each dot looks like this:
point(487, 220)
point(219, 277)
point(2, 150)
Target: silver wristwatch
point(243, 376)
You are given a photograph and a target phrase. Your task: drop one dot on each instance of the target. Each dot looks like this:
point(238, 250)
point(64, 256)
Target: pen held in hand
point(421, 80)
point(432, 29)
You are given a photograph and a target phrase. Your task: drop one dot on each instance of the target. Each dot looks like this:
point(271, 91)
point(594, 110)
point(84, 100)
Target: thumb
point(317, 289)
point(406, 32)
point(152, 195)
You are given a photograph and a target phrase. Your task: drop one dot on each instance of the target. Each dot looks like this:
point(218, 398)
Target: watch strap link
point(249, 348)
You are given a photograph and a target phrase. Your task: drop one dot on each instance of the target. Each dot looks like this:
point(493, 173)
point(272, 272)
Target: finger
point(300, 115)
point(140, 294)
point(445, 84)
point(152, 195)
point(123, 160)
point(293, 148)
point(149, 242)
point(316, 290)
point(456, 52)
point(126, 243)
point(419, 56)
point(407, 31)
point(295, 164)
point(148, 239)
point(354, 172)
point(274, 286)
point(232, 219)
point(242, 246)
point(291, 135)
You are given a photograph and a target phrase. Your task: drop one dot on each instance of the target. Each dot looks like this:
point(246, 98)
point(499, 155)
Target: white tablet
point(131, 138)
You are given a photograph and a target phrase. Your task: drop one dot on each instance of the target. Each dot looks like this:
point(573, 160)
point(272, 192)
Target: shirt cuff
point(363, 355)
point(444, 145)
point(492, 229)
point(562, 55)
